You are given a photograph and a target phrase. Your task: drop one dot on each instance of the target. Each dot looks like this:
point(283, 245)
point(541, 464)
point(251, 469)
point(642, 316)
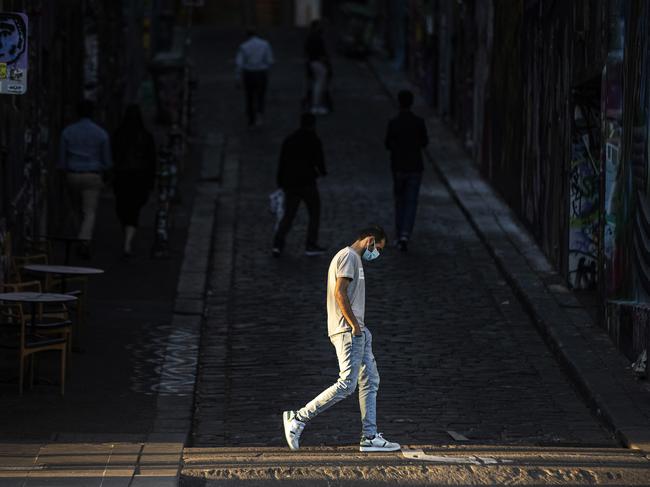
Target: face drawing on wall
point(13, 37)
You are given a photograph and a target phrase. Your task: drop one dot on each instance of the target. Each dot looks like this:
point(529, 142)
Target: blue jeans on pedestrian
point(356, 366)
point(406, 189)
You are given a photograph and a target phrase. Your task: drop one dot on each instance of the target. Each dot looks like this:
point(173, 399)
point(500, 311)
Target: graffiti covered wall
point(584, 200)
point(612, 126)
point(560, 126)
point(626, 158)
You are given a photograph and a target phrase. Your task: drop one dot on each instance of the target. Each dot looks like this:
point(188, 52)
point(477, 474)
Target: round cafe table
point(63, 271)
point(34, 299)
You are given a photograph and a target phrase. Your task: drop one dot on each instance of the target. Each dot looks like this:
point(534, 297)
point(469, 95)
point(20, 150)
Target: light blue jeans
point(356, 366)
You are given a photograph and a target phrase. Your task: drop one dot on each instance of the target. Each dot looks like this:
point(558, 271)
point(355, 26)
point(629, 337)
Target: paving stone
point(155, 481)
point(191, 283)
point(15, 480)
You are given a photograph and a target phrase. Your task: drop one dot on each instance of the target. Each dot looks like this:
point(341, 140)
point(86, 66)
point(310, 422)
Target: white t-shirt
point(346, 263)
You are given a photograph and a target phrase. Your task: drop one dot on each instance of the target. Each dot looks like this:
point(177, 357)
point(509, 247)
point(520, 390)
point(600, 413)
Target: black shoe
point(276, 251)
point(314, 249)
point(403, 245)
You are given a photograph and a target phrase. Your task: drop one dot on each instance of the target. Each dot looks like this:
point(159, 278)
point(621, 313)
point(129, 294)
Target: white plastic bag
point(276, 205)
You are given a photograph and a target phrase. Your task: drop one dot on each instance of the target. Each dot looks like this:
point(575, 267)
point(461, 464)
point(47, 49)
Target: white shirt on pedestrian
point(254, 55)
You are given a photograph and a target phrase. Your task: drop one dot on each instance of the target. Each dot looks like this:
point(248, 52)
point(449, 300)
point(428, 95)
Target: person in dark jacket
point(301, 162)
point(406, 136)
point(134, 152)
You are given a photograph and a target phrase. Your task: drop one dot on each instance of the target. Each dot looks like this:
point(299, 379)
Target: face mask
point(370, 254)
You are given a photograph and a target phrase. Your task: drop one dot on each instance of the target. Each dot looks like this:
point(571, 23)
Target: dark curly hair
point(373, 231)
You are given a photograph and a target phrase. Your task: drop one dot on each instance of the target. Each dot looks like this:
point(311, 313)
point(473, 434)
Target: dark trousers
point(292, 199)
point(131, 194)
point(406, 189)
point(255, 87)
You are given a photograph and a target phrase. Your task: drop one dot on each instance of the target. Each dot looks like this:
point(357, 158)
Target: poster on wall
point(13, 53)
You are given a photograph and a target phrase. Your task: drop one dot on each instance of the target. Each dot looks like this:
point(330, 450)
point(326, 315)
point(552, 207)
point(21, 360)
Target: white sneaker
point(292, 429)
point(378, 443)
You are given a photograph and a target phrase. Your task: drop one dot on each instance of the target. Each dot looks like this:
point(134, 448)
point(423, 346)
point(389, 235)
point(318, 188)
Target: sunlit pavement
point(143, 465)
point(419, 465)
point(89, 464)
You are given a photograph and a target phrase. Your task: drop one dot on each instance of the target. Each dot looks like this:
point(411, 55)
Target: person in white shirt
point(254, 58)
point(352, 340)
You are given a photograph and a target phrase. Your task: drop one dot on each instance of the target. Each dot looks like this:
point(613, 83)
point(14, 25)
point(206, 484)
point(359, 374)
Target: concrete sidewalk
point(415, 465)
point(89, 464)
point(600, 372)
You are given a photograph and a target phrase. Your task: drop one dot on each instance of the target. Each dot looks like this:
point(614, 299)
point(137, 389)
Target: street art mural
point(584, 196)
point(626, 159)
point(612, 111)
point(13, 48)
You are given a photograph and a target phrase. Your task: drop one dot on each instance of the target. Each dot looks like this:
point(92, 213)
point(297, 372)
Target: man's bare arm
point(343, 302)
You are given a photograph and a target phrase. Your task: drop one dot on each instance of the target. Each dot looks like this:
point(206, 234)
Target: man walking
point(85, 155)
point(352, 340)
point(406, 136)
point(301, 162)
point(254, 58)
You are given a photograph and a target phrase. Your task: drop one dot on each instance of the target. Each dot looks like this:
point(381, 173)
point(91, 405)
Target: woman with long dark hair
point(134, 154)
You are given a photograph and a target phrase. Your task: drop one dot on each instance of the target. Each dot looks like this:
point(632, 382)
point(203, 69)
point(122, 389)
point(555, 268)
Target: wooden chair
point(45, 314)
point(81, 291)
point(52, 284)
point(18, 263)
point(31, 340)
point(38, 245)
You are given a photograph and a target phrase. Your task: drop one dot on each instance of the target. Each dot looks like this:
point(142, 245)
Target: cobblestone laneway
point(455, 350)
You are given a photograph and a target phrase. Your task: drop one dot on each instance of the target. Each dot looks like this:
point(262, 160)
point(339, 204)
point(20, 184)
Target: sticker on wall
point(13, 53)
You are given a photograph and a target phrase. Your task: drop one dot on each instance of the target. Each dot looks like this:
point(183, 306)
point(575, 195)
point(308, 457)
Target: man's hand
point(341, 294)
